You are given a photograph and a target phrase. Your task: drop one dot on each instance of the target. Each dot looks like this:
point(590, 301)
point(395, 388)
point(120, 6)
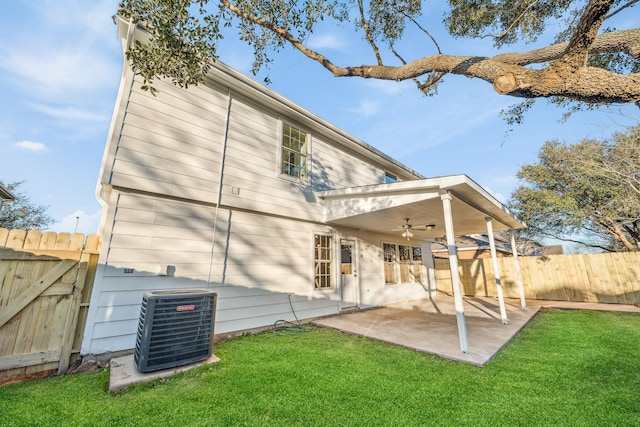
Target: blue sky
point(60, 65)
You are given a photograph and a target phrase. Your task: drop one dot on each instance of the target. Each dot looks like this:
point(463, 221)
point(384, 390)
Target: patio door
point(349, 273)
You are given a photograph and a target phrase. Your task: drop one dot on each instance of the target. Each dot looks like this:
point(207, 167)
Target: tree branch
point(424, 30)
point(367, 32)
point(627, 41)
point(431, 81)
point(580, 242)
point(575, 56)
point(582, 84)
point(621, 8)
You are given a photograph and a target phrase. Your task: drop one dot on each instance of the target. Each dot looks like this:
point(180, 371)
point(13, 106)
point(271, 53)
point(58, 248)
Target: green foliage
point(591, 188)
point(21, 213)
point(510, 20)
point(564, 368)
point(183, 39)
point(181, 45)
point(388, 18)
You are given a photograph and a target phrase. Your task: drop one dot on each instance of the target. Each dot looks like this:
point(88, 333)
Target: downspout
point(220, 178)
point(106, 199)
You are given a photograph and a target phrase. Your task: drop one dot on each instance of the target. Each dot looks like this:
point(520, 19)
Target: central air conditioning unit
point(175, 329)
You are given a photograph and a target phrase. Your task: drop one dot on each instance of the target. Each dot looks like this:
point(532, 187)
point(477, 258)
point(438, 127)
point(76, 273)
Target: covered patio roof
point(382, 208)
point(446, 207)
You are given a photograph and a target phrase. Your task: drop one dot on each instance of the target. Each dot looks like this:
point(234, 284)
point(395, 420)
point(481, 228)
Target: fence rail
point(606, 278)
point(45, 286)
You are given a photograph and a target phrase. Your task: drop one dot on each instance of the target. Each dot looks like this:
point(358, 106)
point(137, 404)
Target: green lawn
point(565, 368)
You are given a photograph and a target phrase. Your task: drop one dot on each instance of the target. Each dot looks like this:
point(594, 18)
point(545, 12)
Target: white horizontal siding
point(171, 143)
point(335, 168)
point(181, 139)
point(117, 317)
point(138, 168)
point(260, 258)
point(135, 151)
point(177, 121)
point(170, 106)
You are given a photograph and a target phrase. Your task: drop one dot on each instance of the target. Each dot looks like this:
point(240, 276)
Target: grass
point(564, 368)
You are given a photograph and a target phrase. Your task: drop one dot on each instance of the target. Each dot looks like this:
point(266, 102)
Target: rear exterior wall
point(170, 223)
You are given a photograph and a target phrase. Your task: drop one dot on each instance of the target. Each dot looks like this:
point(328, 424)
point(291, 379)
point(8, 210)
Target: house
point(473, 246)
point(478, 246)
point(229, 186)
point(529, 247)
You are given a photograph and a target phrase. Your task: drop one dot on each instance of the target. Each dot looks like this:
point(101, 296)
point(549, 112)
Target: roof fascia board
point(487, 196)
point(507, 218)
point(6, 194)
point(428, 185)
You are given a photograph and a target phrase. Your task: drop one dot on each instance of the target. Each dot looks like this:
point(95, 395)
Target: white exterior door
point(349, 273)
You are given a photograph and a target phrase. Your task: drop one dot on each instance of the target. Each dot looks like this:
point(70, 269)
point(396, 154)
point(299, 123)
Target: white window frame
point(304, 176)
point(402, 269)
point(327, 261)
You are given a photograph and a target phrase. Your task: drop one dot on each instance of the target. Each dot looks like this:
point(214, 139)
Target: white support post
point(429, 269)
point(455, 273)
point(514, 249)
point(496, 270)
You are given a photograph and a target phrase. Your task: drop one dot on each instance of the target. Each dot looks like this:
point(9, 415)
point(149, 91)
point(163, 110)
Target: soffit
point(383, 208)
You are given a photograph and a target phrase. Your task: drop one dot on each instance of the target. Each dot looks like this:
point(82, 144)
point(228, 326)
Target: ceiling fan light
point(408, 234)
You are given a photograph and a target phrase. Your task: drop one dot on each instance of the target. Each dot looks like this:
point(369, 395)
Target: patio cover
point(453, 205)
point(383, 207)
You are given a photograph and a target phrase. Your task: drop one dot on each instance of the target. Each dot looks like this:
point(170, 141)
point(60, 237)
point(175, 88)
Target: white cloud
point(79, 221)
point(70, 53)
point(498, 195)
point(366, 108)
point(325, 41)
point(37, 147)
point(388, 87)
point(69, 113)
point(55, 72)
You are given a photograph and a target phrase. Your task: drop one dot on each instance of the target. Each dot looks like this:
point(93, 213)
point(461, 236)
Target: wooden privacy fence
point(45, 286)
point(607, 278)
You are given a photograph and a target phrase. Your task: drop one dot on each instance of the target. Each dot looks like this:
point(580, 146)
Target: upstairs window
point(389, 177)
point(294, 152)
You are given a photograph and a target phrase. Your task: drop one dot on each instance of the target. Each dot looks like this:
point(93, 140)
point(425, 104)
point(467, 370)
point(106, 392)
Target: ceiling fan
point(407, 228)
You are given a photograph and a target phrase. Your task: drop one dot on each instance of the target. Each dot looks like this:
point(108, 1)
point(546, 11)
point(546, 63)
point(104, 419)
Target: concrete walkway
point(430, 325)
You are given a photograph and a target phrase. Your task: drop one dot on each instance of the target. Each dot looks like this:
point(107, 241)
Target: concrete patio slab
point(430, 326)
point(123, 372)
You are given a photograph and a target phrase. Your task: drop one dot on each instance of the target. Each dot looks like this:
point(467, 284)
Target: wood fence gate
point(45, 286)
